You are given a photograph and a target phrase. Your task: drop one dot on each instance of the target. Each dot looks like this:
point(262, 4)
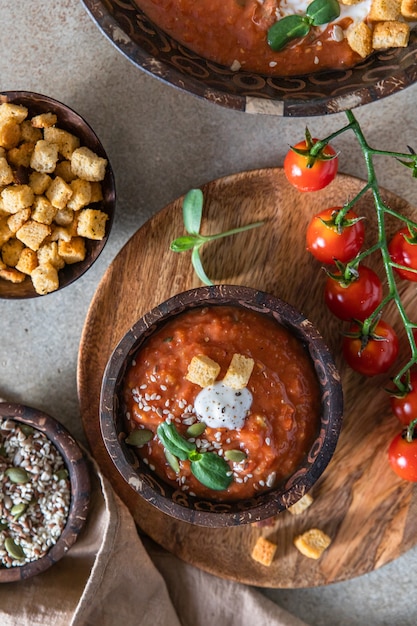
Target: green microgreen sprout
point(192, 211)
point(210, 469)
point(291, 27)
point(409, 160)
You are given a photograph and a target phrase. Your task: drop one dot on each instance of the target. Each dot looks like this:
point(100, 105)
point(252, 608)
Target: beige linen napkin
point(109, 578)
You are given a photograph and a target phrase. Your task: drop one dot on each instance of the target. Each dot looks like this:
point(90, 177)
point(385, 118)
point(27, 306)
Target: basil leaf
point(323, 11)
point(212, 471)
point(192, 211)
point(173, 442)
point(286, 29)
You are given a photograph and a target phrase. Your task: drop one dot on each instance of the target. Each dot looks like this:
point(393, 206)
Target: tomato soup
point(233, 33)
point(279, 423)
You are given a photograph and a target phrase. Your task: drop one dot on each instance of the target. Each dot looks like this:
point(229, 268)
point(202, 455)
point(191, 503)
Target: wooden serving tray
point(368, 512)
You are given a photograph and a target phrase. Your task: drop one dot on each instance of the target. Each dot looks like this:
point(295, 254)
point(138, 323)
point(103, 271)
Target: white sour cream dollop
point(220, 406)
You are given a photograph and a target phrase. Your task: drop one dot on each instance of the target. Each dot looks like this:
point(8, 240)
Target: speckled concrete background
point(162, 142)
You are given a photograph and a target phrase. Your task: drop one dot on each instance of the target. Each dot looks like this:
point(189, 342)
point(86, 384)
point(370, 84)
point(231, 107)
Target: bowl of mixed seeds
point(44, 494)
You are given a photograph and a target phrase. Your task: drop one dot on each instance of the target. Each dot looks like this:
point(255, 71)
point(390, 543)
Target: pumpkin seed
point(3, 526)
point(173, 461)
point(13, 550)
point(18, 509)
point(17, 475)
point(62, 474)
point(139, 437)
point(197, 429)
point(236, 456)
point(26, 429)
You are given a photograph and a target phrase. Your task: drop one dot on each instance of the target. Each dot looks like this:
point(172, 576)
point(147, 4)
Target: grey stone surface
point(162, 142)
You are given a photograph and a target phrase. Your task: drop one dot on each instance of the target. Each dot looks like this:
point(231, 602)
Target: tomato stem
point(409, 433)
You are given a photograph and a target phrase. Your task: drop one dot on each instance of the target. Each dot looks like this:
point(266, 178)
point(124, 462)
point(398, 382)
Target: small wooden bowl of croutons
point(57, 197)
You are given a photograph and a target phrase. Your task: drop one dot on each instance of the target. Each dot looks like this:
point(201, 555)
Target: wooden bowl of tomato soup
point(221, 406)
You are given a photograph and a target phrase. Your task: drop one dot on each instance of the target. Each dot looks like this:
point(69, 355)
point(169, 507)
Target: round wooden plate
point(368, 512)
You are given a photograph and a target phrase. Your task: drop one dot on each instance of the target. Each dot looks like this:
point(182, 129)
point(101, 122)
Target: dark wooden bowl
point(177, 503)
point(68, 120)
point(80, 487)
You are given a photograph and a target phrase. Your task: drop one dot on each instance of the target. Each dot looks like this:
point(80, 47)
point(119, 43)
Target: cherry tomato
point(405, 253)
point(402, 455)
point(328, 242)
point(307, 175)
point(378, 352)
point(355, 300)
point(405, 407)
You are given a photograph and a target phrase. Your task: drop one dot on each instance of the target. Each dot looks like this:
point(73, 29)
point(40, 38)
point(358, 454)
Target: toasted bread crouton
point(12, 275)
point(409, 9)
point(45, 279)
point(16, 220)
point(383, 10)
point(21, 155)
point(42, 210)
point(58, 193)
point(66, 142)
point(39, 182)
point(29, 133)
point(96, 192)
point(32, 234)
point(81, 194)
point(359, 38)
point(48, 253)
point(72, 251)
point(264, 551)
point(92, 223)
point(87, 165)
point(10, 251)
point(5, 232)
point(17, 197)
point(390, 35)
point(301, 505)
point(312, 543)
point(13, 112)
point(9, 134)
point(239, 371)
point(64, 233)
point(6, 172)
point(202, 370)
point(64, 217)
point(27, 262)
point(44, 157)
point(44, 120)
point(63, 169)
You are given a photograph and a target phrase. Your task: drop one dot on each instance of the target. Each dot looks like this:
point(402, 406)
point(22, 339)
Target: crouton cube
point(87, 165)
point(21, 155)
point(10, 251)
point(12, 275)
point(390, 35)
point(6, 172)
point(92, 223)
point(44, 157)
point(42, 210)
point(44, 120)
point(39, 182)
point(382, 10)
point(5, 232)
point(63, 169)
point(301, 505)
point(65, 141)
point(45, 279)
point(312, 543)
point(96, 192)
point(359, 38)
point(16, 220)
point(58, 193)
point(17, 197)
point(63, 233)
point(28, 133)
point(81, 194)
point(27, 262)
point(72, 251)
point(9, 134)
point(239, 371)
point(48, 253)
point(264, 551)
point(409, 9)
point(15, 112)
point(202, 370)
point(32, 234)
point(64, 217)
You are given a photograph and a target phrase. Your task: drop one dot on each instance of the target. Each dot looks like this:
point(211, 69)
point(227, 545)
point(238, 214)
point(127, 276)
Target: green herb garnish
point(209, 468)
point(192, 211)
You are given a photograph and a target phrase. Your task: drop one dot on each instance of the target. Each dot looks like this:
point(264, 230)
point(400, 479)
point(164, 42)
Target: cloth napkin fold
point(109, 578)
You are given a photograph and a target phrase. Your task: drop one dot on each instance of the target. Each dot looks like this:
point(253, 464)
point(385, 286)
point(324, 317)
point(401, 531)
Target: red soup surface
point(234, 33)
point(280, 425)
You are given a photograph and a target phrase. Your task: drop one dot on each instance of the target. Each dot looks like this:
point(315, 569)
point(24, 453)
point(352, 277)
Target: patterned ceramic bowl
point(176, 502)
point(150, 49)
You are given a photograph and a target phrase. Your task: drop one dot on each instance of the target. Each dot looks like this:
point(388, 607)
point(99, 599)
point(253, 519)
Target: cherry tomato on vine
point(402, 456)
point(328, 241)
point(356, 298)
point(373, 354)
point(404, 253)
point(308, 173)
point(404, 406)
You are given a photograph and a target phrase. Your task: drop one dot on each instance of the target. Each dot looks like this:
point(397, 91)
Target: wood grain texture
point(367, 511)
